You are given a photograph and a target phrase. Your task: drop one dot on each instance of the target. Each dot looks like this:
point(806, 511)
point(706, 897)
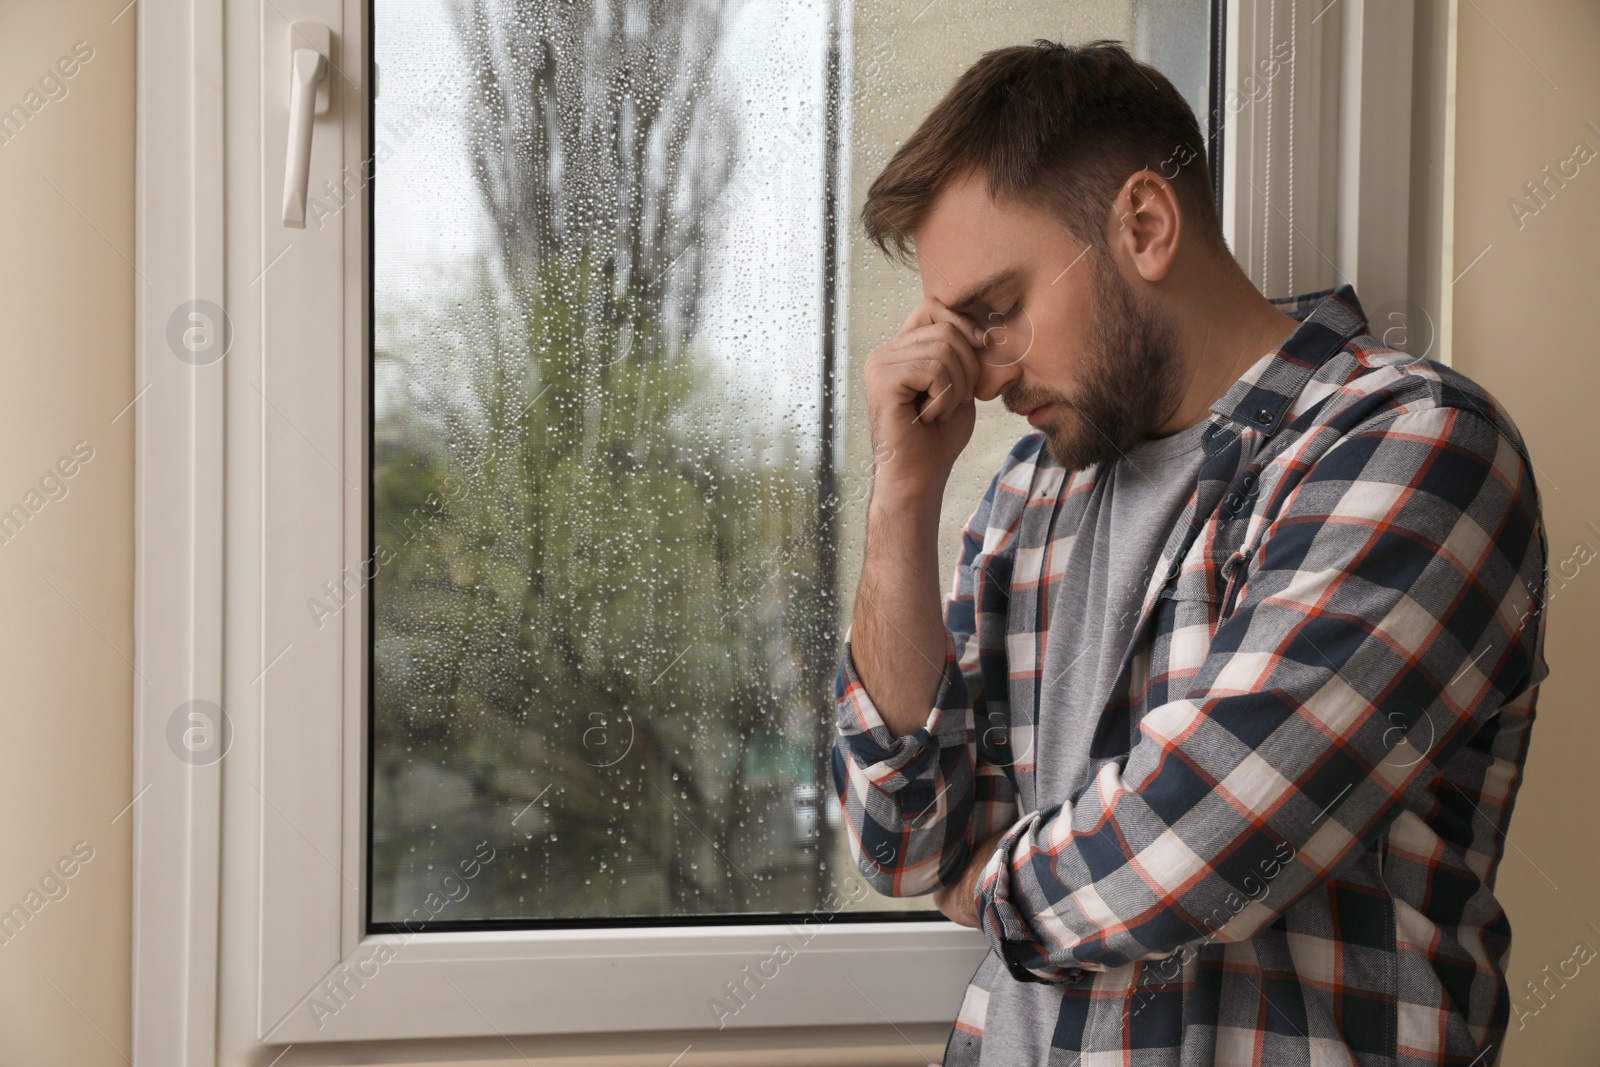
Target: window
point(599, 304)
point(607, 258)
point(531, 423)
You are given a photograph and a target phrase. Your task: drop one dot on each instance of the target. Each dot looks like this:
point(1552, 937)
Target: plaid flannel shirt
point(1302, 780)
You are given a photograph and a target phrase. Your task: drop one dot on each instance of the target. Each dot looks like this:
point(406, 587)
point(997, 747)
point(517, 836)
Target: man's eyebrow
point(999, 277)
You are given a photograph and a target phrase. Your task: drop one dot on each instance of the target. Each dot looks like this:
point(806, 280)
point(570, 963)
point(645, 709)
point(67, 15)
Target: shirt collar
point(1328, 318)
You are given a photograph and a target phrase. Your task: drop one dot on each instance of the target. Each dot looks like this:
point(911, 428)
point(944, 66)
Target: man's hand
point(920, 399)
point(956, 900)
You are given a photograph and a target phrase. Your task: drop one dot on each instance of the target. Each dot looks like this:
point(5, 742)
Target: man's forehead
point(970, 243)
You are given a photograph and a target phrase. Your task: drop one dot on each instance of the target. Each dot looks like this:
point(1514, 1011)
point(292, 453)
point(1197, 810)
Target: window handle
point(309, 43)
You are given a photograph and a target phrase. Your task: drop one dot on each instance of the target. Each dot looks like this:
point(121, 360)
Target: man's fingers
point(934, 407)
point(970, 330)
point(964, 337)
point(947, 343)
point(921, 315)
point(929, 311)
point(934, 394)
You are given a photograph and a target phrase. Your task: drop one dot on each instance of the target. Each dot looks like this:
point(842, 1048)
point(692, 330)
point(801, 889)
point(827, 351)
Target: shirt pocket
point(1188, 612)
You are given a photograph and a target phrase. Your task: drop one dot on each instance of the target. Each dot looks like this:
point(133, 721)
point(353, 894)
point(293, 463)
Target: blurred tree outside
point(608, 644)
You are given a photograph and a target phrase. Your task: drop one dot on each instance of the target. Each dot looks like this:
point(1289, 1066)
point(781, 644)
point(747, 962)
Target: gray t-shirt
point(1093, 609)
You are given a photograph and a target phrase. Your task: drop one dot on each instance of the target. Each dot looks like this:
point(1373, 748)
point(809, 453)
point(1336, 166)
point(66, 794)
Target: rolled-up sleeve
point(916, 805)
point(1381, 624)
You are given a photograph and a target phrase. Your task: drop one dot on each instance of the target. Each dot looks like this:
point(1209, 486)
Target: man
point(1218, 735)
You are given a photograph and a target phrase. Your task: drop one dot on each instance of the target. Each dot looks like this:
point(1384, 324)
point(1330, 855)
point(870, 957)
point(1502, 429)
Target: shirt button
point(1264, 417)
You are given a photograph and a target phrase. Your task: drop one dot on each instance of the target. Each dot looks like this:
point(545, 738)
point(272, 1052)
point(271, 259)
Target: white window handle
point(309, 43)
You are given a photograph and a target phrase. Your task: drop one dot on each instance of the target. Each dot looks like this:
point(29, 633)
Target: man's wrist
point(906, 500)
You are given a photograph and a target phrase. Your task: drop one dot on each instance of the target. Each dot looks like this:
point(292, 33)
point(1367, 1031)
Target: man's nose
point(995, 380)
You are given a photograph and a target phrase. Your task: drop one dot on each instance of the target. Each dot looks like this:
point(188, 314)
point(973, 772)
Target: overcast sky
point(761, 309)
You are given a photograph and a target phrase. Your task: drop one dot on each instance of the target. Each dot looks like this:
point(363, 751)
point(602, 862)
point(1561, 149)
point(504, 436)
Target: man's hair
point(1058, 126)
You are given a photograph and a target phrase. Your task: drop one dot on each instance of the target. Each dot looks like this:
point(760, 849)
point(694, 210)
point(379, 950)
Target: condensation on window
point(618, 304)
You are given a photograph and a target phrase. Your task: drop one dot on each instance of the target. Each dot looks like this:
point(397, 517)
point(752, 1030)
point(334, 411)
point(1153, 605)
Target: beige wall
point(1524, 322)
point(66, 580)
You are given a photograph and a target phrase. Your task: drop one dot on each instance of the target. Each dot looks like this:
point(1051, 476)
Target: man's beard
point(1127, 383)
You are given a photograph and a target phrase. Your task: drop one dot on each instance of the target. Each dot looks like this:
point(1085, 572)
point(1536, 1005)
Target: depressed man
point(1217, 734)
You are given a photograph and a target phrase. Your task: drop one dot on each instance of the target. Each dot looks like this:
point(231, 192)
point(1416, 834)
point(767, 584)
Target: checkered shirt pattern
point(1301, 783)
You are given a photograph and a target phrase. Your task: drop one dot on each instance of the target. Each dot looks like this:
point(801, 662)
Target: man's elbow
point(881, 879)
point(892, 877)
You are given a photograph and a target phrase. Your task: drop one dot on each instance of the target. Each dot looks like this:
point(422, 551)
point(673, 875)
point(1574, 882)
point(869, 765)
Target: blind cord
point(1266, 196)
point(1294, 40)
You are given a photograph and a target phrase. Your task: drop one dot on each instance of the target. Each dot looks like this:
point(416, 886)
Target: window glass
point(619, 305)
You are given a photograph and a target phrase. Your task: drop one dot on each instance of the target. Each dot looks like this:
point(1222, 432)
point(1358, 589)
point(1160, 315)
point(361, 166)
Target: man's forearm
point(897, 634)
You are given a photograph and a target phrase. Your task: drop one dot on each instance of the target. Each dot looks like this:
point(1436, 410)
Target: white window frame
point(247, 870)
point(1346, 107)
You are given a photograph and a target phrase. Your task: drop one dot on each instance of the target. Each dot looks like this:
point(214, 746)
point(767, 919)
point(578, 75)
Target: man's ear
point(1146, 224)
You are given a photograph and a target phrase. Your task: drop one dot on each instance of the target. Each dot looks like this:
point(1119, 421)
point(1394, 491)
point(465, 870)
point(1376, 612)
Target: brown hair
point(1050, 124)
